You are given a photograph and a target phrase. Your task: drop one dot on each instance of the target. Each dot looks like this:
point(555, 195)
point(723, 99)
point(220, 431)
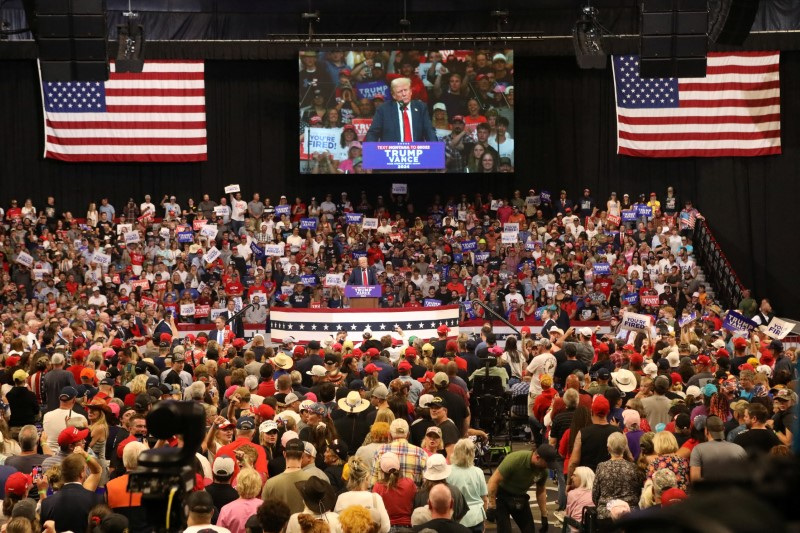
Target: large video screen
point(461, 98)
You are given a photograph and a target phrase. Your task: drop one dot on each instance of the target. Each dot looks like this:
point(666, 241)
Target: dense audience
point(375, 434)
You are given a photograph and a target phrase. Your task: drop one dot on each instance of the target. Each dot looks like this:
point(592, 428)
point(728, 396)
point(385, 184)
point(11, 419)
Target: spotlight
point(587, 38)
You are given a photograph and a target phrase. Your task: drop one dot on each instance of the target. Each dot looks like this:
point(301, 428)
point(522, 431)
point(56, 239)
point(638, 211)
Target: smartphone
point(36, 472)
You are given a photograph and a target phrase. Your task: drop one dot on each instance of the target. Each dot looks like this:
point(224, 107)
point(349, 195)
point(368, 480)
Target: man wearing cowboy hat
point(352, 428)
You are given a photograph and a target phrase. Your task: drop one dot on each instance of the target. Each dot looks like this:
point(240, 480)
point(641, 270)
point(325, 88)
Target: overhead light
point(130, 38)
point(587, 38)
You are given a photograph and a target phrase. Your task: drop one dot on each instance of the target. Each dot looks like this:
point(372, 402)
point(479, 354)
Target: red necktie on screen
point(406, 125)
point(363, 270)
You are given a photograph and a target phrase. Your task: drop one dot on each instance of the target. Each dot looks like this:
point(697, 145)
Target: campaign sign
point(511, 226)
point(353, 218)
point(509, 237)
point(531, 245)
point(258, 252)
point(210, 231)
point(650, 300)
point(160, 285)
point(613, 220)
point(362, 291)
point(230, 189)
point(399, 188)
point(283, 209)
point(778, 329)
point(369, 223)
point(481, 257)
point(187, 310)
point(221, 210)
point(214, 313)
point(687, 319)
point(469, 246)
point(432, 302)
point(308, 223)
point(545, 196)
point(308, 281)
point(185, 236)
point(635, 322)
point(601, 269)
point(212, 255)
point(24, 258)
point(358, 253)
point(124, 228)
point(334, 280)
point(131, 237)
point(143, 283)
point(738, 323)
point(403, 156)
point(629, 216)
point(362, 127)
point(148, 302)
point(202, 311)
point(198, 223)
point(101, 259)
point(631, 298)
point(273, 250)
point(371, 89)
point(644, 210)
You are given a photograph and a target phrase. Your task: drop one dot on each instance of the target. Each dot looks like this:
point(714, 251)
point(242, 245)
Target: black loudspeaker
point(673, 41)
point(72, 39)
point(730, 20)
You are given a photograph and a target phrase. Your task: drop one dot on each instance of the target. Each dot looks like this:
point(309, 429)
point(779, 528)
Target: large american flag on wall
point(733, 111)
point(158, 115)
point(318, 324)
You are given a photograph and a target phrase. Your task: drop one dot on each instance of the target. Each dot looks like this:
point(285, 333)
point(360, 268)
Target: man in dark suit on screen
point(402, 119)
point(363, 272)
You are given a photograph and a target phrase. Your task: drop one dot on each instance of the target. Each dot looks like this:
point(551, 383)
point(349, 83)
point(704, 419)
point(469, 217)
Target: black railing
point(719, 272)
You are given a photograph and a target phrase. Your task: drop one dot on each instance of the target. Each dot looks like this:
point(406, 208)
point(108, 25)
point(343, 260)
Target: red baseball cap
point(372, 352)
point(452, 346)
point(370, 368)
point(722, 352)
point(636, 359)
point(404, 365)
point(165, 337)
point(72, 435)
point(600, 406)
point(442, 329)
point(703, 360)
point(117, 343)
point(739, 342)
point(265, 411)
point(411, 351)
point(676, 378)
point(299, 350)
point(18, 484)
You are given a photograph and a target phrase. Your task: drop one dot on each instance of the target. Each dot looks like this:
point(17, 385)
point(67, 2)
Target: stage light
point(587, 38)
point(130, 55)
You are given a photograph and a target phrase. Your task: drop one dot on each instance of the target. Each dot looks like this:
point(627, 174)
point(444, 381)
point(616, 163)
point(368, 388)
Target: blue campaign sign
point(186, 236)
point(738, 323)
point(308, 223)
point(644, 210)
point(308, 280)
point(481, 257)
point(353, 218)
point(258, 252)
point(629, 216)
point(359, 253)
point(602, 269)
point(457, 257)
point(371, 89)
point(282, 209)
point(469, 246)
point(403, 156)
point(631, 298)
point(545, 196)
point(431, 302)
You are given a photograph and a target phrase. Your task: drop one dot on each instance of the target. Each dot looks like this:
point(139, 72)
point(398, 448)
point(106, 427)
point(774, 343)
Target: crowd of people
point(469, 96)
point(374, 434)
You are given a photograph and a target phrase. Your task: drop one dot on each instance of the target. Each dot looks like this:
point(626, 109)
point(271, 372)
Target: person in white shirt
point(543, 363)
point(501, 141)
point(328, 207)
point(147, 207)
point(98, 299)
point(239, 210)
point(513, 296)
point(295, 240)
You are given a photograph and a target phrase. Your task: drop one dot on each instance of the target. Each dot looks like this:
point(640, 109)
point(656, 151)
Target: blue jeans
point(562, 485)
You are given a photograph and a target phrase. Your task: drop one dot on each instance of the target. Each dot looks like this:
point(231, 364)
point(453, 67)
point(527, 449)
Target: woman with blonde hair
point(471, 481)
point(234, 515)
point(665, 446)
point(358, 494)
point(377, 437)
point(98, 413)
point(357, 519)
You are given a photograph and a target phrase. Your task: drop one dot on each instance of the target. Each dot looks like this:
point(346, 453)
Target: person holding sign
point(363, 274)
point(403, 120)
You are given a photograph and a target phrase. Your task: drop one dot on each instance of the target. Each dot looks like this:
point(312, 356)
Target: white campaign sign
point(215, 313)
point(210, 231)
point(334, 280)
point(399, 188)
point(122, 229)
point(777, 328)
point(187, 309)
point(274, 250)
point(635, 322)
point(131, 237)
point(232, 189)
point(221, 210)
point(370, 223)
point(101, 258)
point(509, 237)
point(511, 226)
point(212, 255)
point(164, 232)
point(24, 258)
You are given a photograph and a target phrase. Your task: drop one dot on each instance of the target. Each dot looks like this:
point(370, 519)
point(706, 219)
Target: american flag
point(733, 111)
point(318, 324)
point(158, 115)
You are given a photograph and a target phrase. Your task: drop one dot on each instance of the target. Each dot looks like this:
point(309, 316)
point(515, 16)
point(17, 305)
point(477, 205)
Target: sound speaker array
point(673, 39)
point(72, 39)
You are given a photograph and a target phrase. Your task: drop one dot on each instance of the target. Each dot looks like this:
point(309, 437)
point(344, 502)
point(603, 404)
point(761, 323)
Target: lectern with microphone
point(363, 296)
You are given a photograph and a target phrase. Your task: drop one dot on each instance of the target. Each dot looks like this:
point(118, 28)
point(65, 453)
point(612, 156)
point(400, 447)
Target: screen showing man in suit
point(462, 98)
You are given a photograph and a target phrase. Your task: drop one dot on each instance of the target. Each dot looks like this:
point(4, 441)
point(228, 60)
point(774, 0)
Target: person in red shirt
point(374, 253)
point(455, 284)
point(234, 287)
point(245, 429)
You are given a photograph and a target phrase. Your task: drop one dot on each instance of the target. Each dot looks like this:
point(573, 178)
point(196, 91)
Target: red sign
point(143, 283)
point(52, 307)
point(362, 126)
point(198, 223)
point(613, 220)
point(649, 300)
point(202, 311)
point(146, 301)
point(160, 285)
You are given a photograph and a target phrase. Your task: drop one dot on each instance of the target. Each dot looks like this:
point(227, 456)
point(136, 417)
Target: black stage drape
point(565, 138)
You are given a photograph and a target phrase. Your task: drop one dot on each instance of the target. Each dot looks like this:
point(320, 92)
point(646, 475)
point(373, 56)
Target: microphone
point(403, 106)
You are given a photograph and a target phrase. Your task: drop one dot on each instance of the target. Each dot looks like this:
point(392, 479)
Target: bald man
point(440, 503)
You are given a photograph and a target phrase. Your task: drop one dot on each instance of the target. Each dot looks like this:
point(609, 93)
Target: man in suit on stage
point(237, 325)
point(220, 332)
point(403, 119)
point(363, 274)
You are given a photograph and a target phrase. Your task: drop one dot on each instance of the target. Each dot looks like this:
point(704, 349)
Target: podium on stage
point(363, 296)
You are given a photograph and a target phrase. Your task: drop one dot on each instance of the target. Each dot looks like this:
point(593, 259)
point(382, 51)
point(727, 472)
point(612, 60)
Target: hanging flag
point(733, 111)
point(158, 115)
